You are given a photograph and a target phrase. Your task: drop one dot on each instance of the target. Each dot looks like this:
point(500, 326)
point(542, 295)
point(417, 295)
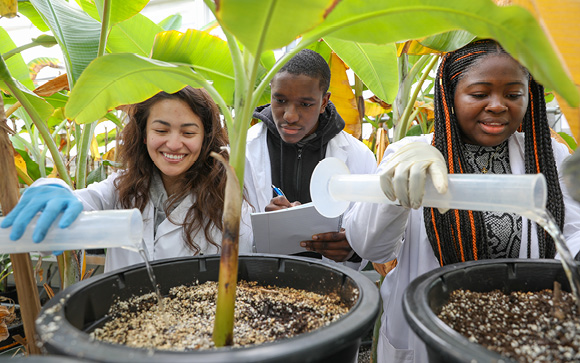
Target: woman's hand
point(51, 200)
point(406, 173)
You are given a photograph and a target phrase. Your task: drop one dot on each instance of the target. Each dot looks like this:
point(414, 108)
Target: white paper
point(281, 231)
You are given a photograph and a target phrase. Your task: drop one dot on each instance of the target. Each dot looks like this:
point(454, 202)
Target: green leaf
point(111, 135)
point(43, 108)
point(123, 79)
point(569, 140)
point(207, 54)
point(55, 119)
point(396, 20)
point(446, 42)
point(268, 59)
point(96, 175)
point(270, 24)
point(135, 35)
point(172, 22)
point(371, 63)
point(114, 119)
point(57, 100)
point(32, 167)
point(76, 32)
point(415, 130)
point(322, 48)
point(16, 65)
point(26, 9)
point(90, 8)
point(122, 10)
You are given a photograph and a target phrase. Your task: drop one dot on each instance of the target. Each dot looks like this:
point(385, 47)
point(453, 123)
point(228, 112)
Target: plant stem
point(223, 332)
point(21, 264)
point(38, 122)
point(403, 123)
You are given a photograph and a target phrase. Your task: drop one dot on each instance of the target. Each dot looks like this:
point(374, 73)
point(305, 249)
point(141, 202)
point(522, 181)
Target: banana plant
point(252, 29)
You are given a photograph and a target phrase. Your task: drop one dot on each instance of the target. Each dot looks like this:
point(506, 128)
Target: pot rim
point(52, 324)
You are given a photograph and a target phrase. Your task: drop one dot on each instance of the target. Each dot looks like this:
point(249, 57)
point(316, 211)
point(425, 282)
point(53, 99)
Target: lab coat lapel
point(337, 148)
point(178, 216)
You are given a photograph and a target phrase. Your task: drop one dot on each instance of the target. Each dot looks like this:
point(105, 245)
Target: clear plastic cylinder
point(512, 193)
point(94, 229)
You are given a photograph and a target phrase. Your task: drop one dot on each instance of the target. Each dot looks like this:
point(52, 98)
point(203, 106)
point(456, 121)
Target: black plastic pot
point(64, 322)
point(425, 296)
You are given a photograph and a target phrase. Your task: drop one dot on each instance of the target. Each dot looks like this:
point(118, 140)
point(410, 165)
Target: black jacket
point(292, 164)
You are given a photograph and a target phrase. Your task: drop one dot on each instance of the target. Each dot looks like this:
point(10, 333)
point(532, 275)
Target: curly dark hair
point(309, 63)
point(459, 235)
point(205, 179)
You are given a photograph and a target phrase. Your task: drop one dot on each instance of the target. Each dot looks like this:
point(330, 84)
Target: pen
point(278, 191)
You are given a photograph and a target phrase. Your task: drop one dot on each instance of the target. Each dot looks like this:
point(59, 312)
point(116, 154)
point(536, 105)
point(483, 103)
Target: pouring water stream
point(332, 188)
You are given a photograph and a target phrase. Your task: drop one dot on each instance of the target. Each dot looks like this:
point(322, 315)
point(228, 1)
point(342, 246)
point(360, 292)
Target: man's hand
point(280, 202)
point(332, 245)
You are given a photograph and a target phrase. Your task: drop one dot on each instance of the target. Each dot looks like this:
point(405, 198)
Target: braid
point(539, 158)
point(459, 235)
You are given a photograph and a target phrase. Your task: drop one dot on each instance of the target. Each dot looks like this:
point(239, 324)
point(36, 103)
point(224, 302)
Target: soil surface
point(185, 322)
point(525, 326)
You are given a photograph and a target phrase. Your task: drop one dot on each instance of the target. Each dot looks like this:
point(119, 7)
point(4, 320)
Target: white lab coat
point(258, 174)
point(168, 242)
point(382, 232)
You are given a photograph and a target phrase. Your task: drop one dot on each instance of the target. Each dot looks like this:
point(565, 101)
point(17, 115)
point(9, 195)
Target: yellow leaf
point(95, 149)
point(413, 47)
point(20, 163)
point(343, 97)
point(109, 155)
point(8, 8)
point(373, 109)
point(53, 174)
point(560, 21)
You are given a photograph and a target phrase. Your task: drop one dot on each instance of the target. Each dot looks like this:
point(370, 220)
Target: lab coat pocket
point(387, 353)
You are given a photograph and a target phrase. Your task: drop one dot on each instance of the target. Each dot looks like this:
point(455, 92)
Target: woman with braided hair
point(490, 117)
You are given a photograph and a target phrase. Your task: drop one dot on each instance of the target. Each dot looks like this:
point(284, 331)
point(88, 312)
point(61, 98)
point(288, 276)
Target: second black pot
point(425, 296)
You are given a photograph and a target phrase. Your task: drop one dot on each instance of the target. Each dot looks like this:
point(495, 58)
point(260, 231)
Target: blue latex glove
point(51, 200)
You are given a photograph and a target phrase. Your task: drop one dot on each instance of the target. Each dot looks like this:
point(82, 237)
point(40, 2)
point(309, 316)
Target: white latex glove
point(406, 172)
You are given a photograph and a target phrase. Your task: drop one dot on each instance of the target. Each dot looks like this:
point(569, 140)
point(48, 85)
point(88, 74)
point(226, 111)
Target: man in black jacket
point(299, 128)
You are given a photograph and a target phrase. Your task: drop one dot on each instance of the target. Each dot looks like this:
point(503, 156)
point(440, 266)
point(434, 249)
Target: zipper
point(298, 172)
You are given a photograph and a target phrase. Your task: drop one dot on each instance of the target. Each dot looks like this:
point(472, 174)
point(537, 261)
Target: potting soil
point(186, 320)
point(525, 326)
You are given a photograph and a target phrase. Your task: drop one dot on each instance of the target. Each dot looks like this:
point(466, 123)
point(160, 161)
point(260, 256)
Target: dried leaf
point(48, 290)
point(53, 86)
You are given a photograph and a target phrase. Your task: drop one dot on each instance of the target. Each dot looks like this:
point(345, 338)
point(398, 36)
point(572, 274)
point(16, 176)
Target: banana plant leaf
point(134, 35)
point(207, 54)
point(124, 79)
point(376, 65)
point(514, 27)
point(26, 9)
point(76, 32)
point(40, 106)
point(447, 41)
point(15, 64)
point(270, 24)
point(172, 22)
point(121, 10)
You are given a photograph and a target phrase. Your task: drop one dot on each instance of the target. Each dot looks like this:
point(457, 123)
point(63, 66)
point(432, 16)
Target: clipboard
point(281, 231)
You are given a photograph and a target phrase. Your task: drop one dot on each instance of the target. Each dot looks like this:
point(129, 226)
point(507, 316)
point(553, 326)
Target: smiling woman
point(174, 140)
point(168, 174)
